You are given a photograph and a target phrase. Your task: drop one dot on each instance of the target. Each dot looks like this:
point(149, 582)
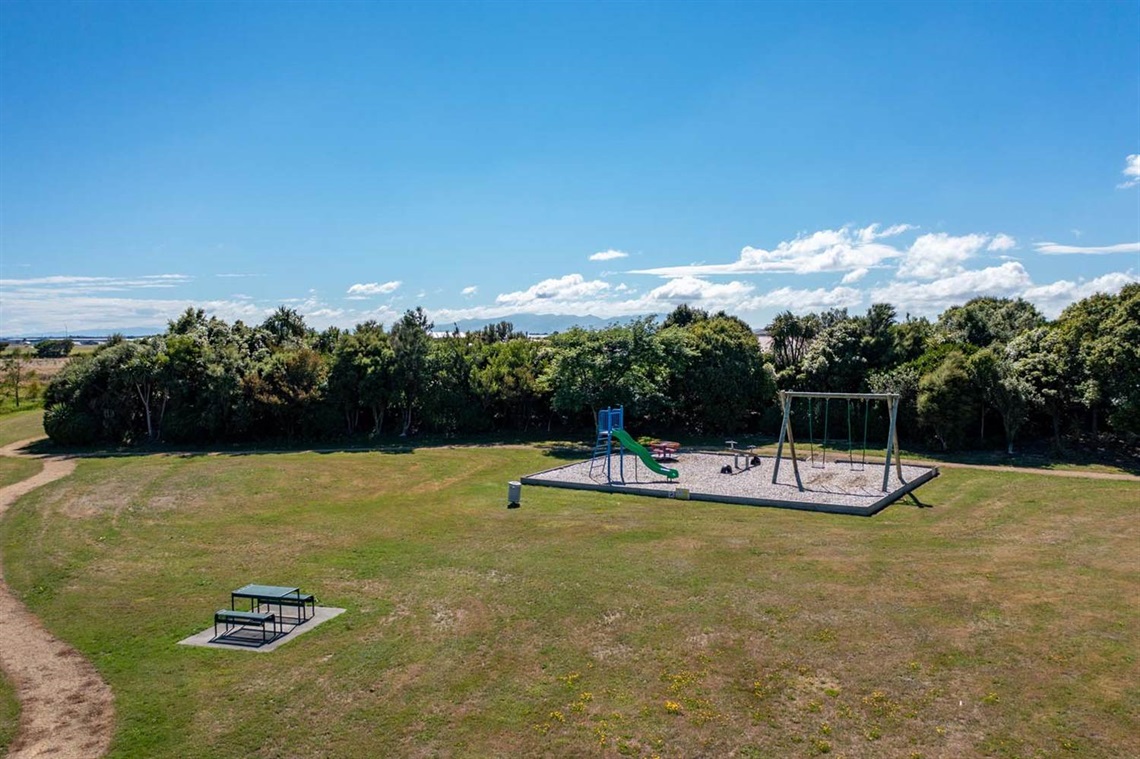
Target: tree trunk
point(407, 421)
point(161, 416)
point(146, 407)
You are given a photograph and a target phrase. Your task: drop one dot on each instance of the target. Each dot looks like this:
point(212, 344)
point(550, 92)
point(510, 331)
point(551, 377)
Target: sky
point(495, 160)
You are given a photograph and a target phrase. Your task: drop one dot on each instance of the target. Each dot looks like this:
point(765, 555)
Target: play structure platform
point(836, 490)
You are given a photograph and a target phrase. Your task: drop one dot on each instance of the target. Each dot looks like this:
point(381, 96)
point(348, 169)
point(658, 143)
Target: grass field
point(9, 715)
point(14, 427)
point(1001, 621)
point(21, 425)
point(14, 470)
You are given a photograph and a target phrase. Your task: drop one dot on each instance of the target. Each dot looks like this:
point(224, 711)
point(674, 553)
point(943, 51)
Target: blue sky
point(486, 160)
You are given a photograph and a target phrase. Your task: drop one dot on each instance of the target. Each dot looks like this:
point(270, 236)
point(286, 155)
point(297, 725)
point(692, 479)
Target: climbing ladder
point(609, 419)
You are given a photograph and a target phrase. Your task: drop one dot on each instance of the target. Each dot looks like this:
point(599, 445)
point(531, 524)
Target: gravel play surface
point(838, 487)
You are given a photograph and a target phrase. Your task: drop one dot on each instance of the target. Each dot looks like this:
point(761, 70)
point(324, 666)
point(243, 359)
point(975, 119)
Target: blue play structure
point(611, 427)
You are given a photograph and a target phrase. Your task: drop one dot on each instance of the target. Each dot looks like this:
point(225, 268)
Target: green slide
point(645, 456)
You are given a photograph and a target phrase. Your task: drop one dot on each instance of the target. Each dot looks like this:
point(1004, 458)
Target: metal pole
point(783, 430)
point(898, 454)
point(792, 447)
point(891, 443)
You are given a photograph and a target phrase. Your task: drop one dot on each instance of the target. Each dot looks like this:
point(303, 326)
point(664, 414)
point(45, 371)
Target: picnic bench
point(231, 619)
point(279, 596)
point(663, 450)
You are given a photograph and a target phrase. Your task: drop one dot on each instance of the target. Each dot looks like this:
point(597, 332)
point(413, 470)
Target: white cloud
point(1131, 171)
point(373, 288)
point(695, 291)
point(1002, 242)
point(801, 301)
point(77, 284)
point(1056, 249)
point(939, 255)
point(608, 255)
point(1053, 298)
point(855, 275)
point(24, 314)
point(572, 295)
point(469, 291)
point(560, 290)
point(1008, 280)
point(828, 250)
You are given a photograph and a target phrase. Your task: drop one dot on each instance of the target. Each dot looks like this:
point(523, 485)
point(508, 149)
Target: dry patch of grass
point(1002, 621)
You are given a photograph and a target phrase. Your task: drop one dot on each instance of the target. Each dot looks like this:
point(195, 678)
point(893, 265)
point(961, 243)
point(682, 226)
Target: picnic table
point(663, 450)
point(276, 595)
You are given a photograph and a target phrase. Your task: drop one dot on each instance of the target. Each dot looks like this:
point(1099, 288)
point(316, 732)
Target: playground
point(845, 483)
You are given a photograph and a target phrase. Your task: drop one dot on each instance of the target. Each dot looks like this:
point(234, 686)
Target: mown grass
point(21, 425)
point(14, 470)
point(16, 426)
point(1002, 621)
point(9, 715)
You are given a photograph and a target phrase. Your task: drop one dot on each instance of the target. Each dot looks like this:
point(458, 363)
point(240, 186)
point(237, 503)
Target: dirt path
point(66, 710)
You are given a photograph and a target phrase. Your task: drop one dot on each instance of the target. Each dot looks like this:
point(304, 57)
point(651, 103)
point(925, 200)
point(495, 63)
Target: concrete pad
point(246, 640)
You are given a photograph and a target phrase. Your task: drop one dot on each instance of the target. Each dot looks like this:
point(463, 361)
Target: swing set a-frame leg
point(893, 446)
point(786, 434)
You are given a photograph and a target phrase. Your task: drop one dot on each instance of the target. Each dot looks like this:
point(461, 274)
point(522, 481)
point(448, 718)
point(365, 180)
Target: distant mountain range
point(531, 323)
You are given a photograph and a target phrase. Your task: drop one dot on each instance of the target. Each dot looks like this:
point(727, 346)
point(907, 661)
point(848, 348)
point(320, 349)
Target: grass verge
point(14, 470)
point(9, 715)
point(21, 425)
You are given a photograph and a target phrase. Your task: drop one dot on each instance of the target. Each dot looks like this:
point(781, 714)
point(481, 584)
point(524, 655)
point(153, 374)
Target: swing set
point(820, 462)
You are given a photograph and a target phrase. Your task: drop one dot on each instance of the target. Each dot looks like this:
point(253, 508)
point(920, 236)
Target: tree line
point(992, 367)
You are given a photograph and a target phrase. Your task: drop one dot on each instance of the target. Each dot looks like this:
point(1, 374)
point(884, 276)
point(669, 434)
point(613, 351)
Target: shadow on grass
point(563, 446)
point(559, 449)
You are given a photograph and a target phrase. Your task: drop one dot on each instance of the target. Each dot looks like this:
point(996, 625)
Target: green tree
point(724, 378)
point(985, 321)
point(507, 381)
point(411, 344)
point(910, 338)
point(685, 315)
point(496, 333)
point(145, 369)
point(285, 388)
point(1040, 357)
point(347, 369)
point(54, 348)
point(619, 365)
point(1002, 385)
point(285, 327)
point(835, 362)
point(14, 371)
point(791, 336)
point(947, 401)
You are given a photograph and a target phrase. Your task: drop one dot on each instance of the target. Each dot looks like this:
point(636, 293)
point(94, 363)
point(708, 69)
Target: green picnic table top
point(265, 591)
